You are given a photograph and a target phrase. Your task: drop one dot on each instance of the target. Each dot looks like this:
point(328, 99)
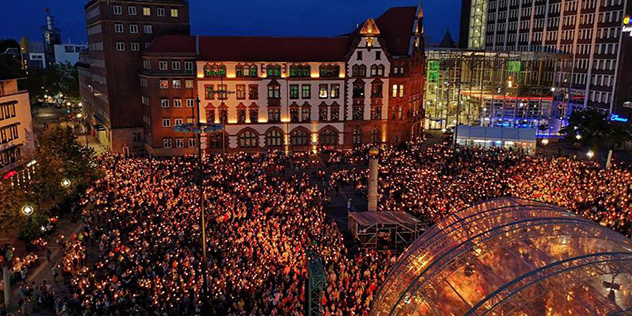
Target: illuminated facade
point(510, 256)
point(16, 126)
point(491, 88)
point(287, 93)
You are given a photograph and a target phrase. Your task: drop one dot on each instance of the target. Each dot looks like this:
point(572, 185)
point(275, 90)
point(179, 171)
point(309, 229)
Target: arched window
point(248, 139)
point(273, 71)
point(299, 137)
point(214, 71)
point(329, 71)
point(299, 71)
point(328, 137)
point(274, 138)
point(245, 71)
point(373, 70)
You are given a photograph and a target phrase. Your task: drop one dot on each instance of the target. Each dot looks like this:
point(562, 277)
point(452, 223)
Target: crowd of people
point(142, 220)
point(436, 182)
point(140, 251)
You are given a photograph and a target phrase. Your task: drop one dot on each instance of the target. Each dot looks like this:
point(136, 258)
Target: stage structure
point(497, 88)
point(510, 256)
point(384, 230)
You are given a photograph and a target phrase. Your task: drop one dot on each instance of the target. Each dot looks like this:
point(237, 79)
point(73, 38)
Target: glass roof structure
point(510, 256)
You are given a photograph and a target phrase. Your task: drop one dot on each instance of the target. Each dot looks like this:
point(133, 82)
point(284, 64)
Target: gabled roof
point(255, 48)
point(396, 28)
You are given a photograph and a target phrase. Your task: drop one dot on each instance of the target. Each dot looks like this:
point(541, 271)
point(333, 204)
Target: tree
point(593, 128)
point(12, 200)
point(60, 157)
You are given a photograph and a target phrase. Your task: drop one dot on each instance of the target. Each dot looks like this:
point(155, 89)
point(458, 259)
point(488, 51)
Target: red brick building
point(118, 33)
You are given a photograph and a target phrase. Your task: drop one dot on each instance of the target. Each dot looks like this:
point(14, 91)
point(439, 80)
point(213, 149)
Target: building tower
point(589, 30)
point(118, 32)
point(52, 37)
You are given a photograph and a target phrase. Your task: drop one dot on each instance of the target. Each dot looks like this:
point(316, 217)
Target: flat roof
point(383, 217)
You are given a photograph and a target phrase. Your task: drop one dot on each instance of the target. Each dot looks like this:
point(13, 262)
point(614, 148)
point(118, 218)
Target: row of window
point(133, 46)
point(9, 156)
point(272, 71)
point(360, 70)
point(8, 133)
point(133, 28)
point(175, 66)
point(132, 10)
point(7, 110)
point(176, 84)
point(306, 91)
point(176, 103)
point(179, 142)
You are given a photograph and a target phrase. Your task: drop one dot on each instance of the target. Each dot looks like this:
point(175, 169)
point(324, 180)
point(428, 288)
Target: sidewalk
point(92, 142)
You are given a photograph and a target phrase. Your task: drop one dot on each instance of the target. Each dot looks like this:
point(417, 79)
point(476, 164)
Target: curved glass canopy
point(510, 256)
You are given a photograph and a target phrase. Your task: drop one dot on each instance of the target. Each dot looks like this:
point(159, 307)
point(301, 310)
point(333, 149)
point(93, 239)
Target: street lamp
point(545, 141)
point(578, 136)
point(590, 154)
point(197, 129)
point(66, 183)
point(27, 209)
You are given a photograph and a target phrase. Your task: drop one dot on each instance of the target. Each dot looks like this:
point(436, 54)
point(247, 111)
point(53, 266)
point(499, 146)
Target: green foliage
point(59, 156)
point(57, 78)
point(10, 203)
point(31, 227)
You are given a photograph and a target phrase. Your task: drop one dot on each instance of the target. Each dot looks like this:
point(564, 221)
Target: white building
point(16, 125)
point(68, 53)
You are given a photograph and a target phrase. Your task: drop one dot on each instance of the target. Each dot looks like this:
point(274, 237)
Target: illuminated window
point(240, 91)
point(177, 84)
point(146, 11)
point(322, 91)
point(174, 13)
point(274, 92)
point(335, 91)
point(164, 84)
point(273, 71)
point(306, 91)
point(294, 91)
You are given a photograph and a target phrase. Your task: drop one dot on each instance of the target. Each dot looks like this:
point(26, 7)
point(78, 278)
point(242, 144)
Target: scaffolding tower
point(316, 283)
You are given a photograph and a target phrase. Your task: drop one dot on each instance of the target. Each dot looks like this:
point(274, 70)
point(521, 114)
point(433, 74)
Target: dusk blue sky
point(236, 17)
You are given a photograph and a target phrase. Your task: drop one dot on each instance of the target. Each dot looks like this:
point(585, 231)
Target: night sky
point(236, 17)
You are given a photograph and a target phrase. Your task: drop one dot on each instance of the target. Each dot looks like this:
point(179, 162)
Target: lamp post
point(198, 128)
point(373, 175)
point(27, 210)
point(65, 183)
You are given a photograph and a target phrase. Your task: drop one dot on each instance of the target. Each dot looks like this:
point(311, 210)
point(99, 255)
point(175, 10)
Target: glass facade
point(510, 256)
point(489, 88)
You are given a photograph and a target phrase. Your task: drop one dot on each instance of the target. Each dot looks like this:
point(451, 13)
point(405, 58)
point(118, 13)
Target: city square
point(155, 171)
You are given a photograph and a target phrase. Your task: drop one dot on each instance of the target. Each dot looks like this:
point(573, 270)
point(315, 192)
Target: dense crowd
point(140, 251)
point(142, 219)
point(436, 182)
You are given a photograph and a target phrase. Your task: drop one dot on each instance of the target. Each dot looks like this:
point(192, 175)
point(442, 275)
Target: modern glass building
point(511, 256)
point(496, 88)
